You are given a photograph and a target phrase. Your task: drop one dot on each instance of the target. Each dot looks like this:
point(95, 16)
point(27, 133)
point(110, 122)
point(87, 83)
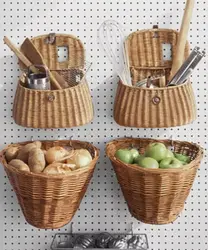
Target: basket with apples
point(155, 175)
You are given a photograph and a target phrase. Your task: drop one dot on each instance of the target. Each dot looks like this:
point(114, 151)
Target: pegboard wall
point(103, 207)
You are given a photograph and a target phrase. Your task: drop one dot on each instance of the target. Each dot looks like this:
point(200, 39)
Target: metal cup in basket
point(38, 80)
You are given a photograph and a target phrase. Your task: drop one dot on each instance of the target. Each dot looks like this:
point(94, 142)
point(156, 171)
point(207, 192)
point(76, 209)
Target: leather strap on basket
point(51, 38)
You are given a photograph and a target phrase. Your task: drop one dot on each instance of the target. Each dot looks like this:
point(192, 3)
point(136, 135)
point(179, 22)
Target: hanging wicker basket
point(157, 107)
point(155, 196)
point(51, 201)
point(65, 108)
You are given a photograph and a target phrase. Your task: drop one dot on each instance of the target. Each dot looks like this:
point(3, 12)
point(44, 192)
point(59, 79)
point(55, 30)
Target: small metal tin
point(39, 81)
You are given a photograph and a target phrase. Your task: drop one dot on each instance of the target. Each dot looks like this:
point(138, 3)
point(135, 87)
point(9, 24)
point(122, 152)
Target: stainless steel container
point(40, 81)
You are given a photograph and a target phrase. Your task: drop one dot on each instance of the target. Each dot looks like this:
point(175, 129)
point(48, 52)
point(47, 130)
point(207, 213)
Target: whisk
point(111, 37)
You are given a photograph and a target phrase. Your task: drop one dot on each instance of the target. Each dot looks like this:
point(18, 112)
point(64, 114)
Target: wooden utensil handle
point(17, 52)
point(181, 43)
point(20, 55)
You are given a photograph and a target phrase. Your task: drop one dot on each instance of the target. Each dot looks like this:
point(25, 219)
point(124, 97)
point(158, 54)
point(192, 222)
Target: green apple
point(136, 160)
point(170, 162)
point(147, 162)
point(183, 162)
point(135, 153)
point(169, 154)
point(183, 158)
point(156, 151)
point(124, 155)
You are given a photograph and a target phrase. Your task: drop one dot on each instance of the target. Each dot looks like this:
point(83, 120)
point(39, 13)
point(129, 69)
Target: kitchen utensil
point(181, 43)
point(111, 36)
point(19, 54)
point(149, 82)
point(187, 67)
point(26, 61)
point(162, 81)
point(135, 241)
point(39, 80)
point(35, 57)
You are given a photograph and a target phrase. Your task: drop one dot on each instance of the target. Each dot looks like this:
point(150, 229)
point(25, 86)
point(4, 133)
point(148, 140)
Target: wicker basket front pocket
point(158, 107)
point(154, 108)
point(155, 196)
point(64, 108)
point(51, 201)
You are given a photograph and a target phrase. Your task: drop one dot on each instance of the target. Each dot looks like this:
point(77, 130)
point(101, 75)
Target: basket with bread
point(49, 178)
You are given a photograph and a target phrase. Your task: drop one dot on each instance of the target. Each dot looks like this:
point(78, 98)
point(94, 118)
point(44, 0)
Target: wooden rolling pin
point(183, 34)
point(27, 62)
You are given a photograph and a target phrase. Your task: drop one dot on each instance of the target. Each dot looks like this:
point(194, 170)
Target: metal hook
point(71, 228)
point(132, 228)
point(171, 140)
point(70, 140)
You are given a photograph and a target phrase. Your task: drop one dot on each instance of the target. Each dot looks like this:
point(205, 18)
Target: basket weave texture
point(69, 107)
point(155, 196)
point(65, 108)
point(51, 201)
point(136, 107)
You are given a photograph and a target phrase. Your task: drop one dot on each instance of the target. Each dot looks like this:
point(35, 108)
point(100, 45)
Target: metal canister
point(40, 81)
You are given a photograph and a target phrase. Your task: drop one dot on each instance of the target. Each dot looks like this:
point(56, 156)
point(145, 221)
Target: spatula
point(181, 43)
point(20, 55)
point(28, 63)
point(30, 51)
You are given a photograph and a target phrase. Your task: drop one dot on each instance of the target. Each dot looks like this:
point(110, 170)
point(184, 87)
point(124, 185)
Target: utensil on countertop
point(187, 67)
point(111, 36)
point(30, 51)
point(183, 34)
point(39, 81)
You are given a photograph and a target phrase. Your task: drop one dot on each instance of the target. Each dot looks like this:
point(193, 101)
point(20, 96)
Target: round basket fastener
point(51, 97)
point(156, 99)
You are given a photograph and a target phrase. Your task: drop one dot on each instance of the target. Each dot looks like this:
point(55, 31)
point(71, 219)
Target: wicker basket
point(51, 201)
point(155, 196)
point(65, 108)
point(158, 107)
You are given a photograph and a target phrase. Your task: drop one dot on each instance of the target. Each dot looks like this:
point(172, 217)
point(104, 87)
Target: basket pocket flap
point(145, 48)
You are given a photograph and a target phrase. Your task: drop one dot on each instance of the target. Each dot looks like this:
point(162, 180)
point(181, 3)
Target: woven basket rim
point(159, 170)
point(68, 176)
point(155, 89)
point(51, 90)
point(151, 30)
point(59, 35)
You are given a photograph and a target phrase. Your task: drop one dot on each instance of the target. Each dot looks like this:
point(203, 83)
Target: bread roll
point(57, 168)
point(19, 165)
point(24, 151)
point(36, 160)
point(11, 153)
point(56, 154)
point(81, 158)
